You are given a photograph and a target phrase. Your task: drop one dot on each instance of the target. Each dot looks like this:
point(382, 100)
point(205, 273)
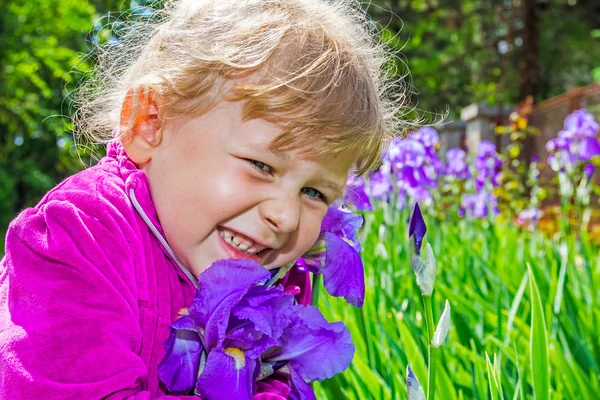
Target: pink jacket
point(88, 288)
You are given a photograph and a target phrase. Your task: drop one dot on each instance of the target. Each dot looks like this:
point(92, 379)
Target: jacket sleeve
point(69, 318)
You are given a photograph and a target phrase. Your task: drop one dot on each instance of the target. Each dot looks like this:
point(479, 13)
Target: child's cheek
point(234, 190)
point(311, 231)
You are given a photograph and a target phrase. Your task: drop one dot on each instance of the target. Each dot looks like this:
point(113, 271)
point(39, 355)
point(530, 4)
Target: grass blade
point(538, 344)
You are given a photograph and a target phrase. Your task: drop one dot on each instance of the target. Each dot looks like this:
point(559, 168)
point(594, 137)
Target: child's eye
point(314, 194)
point(262, 167)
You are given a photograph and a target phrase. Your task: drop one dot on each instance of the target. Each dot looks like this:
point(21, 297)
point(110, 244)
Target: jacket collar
point(137, 188)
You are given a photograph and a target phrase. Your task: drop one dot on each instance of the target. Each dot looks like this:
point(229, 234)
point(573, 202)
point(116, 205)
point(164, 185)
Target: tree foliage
point(39, 44)
point(465, 51)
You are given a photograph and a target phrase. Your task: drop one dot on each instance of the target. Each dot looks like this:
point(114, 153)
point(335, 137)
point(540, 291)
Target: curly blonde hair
point(316, 66)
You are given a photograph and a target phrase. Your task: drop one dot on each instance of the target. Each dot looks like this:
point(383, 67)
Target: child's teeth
point(241, 244)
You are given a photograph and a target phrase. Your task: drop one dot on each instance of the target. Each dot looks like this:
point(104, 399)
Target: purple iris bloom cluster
point(479, 205)
point(380, 183)
point(487, 164)
point(414, 164)
point(456, 164)
point(483, 202)
point(240, 336)
point(576, 144)
point(430, 139)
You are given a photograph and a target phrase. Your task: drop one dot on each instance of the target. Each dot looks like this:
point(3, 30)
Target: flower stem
point(431, 372)
point(432, 354)
point(316, 287)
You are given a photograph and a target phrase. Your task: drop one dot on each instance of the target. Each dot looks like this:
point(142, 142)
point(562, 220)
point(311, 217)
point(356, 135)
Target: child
point(230, 130)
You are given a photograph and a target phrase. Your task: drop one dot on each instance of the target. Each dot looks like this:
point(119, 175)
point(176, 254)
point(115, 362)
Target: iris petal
point(343, 273)
point(310, 338)
point(589, 148)
point(223, 285)
point(266, 308)
point(227, 376)
point(179, 367)
point(417, 228)
point(341, 222)
point(356, 194)
point(300, 281)
point(275, 387)
point(300, 389)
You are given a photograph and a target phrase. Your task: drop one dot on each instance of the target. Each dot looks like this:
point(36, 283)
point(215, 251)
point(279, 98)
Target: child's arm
point(69, 322)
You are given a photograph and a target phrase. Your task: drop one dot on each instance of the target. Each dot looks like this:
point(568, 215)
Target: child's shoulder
point(98, 193)
point(96, 190)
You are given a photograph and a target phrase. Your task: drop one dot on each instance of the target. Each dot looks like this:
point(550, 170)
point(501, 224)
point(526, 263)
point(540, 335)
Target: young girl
point(231, 126)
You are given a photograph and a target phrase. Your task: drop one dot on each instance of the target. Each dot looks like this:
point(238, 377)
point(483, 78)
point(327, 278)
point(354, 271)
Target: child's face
point(213, 176)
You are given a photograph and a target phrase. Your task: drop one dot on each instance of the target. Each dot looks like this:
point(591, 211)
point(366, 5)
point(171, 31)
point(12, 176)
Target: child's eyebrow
point(259, 148)
point(337, 191)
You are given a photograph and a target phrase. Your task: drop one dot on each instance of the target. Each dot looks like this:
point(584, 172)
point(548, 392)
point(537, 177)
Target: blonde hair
point(315, 67)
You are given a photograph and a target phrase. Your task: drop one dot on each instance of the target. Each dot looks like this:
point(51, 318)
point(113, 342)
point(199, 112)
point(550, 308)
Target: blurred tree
point(39, 44)
point(45, 51)
point(495, 51)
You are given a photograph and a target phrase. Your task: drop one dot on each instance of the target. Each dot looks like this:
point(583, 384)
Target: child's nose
point(282, 213)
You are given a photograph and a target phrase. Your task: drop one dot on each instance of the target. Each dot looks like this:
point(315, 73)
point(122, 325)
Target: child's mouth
point(239, 246)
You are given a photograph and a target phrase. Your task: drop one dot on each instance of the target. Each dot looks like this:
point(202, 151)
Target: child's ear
point(140, 125)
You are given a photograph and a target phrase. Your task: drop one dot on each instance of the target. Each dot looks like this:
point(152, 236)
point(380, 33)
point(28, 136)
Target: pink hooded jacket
point(88, 288)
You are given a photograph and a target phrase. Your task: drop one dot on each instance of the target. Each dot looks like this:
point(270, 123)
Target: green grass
point(525, 314)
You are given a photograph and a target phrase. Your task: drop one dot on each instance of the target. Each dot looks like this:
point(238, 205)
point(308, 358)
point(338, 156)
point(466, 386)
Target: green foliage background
point(525, 313)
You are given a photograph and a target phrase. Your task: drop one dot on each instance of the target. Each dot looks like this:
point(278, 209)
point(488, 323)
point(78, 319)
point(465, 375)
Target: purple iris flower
point(239, 331)
point(336, 256)
point(478, 205)
point(579, 124)
point(422, 259)
point(380, 182)
point(588, 170)
point(485, 149)
point(183, 349)
point(576, 143)
point(417, 228)
point(412, 167)
point(356, 193)
point(313, 349)
point(456, 164)
point(529, 215)
point(487, 164)
point(556, 144)
point(430, 139)
point(406, 152)
point(426, 135)
point(589, 147)
point(238, 321)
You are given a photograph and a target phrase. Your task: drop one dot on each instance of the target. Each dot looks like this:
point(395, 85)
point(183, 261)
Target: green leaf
point(538, 343)
point(415, 358)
